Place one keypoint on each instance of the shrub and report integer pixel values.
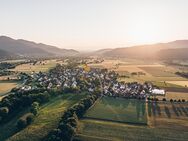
(164, 99)
(25, 120)
(4, 111)
(34, 108)
(29, 118)
(22, 123)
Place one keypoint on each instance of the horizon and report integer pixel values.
(89, 26)
(90, 50)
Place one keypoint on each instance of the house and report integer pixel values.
(158, 92)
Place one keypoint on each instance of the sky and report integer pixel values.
(94, 24)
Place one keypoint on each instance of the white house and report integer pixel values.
(158, 92)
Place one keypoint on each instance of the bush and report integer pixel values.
(30, 118)
(25, 120)
(22, 123)
(4, 111)
(34, 108)
(164, 99)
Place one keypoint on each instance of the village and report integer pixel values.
(79, 79)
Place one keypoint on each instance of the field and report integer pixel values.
(165, 121)
(154, 71)
(175, 96)
(181, 83)
(159, 71)
(40, 66)
(119, 110)
(6, 86)
(48, 118)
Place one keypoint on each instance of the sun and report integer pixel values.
(146, 29)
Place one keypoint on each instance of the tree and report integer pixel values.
(22, 123)
(29, 118)
(35, 108)
(68, 132)
(164, 99)
(4, 111)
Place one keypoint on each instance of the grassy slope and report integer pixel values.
(48, 118)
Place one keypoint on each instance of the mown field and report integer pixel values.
(48, 118)
(165, 122)
(154, 71)
(118, 110)
(39, 66)
(180, 83)
(174, 96)
(6, 86)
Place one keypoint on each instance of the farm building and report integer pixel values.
(158, 92)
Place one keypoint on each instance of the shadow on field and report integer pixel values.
(167, 111)
(175, 110)
(184, 111)
(154, 108)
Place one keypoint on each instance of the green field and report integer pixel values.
(119, 110)
(165, 121)
(48, 118)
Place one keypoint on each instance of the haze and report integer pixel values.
(96, 24)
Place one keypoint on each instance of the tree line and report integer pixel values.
(68, 124)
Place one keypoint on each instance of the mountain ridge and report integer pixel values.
(29, 48)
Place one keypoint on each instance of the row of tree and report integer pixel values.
(182, 74)
(69, 122)
(28, 118)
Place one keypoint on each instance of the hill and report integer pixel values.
(4, 54)
(28, 48)
(153, 51)
(178, 54)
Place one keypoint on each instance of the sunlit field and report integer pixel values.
(175, 96)
(154, 71)
(40, 66)
(181, 83)
(165, 121)
(6, 86)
